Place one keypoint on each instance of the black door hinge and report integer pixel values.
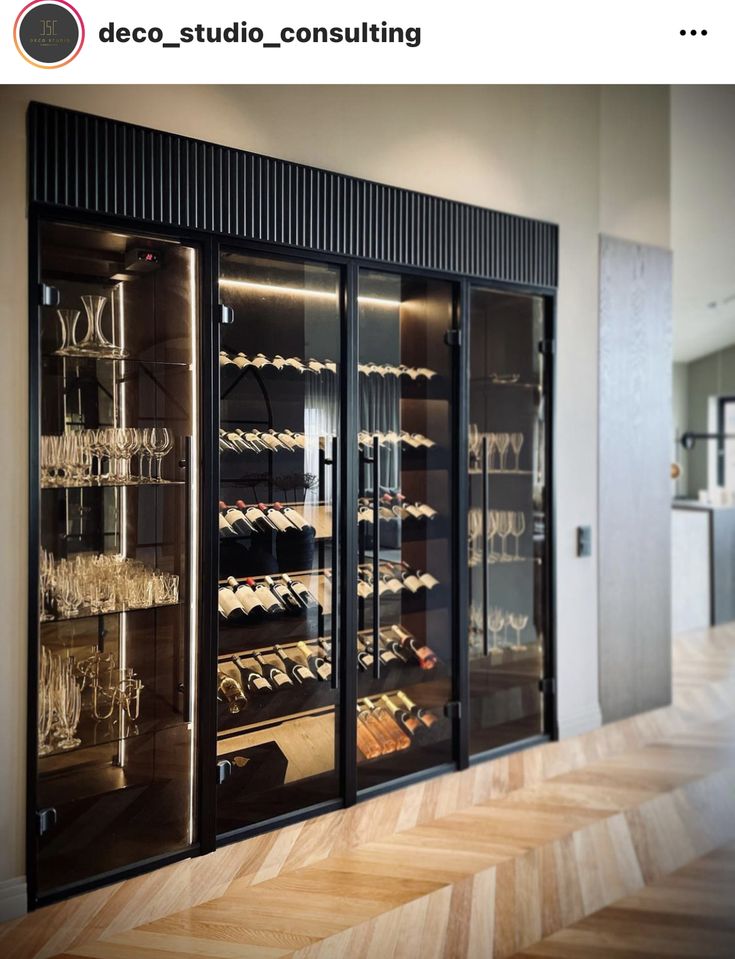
(547, 686)
(224, 770)
(226, 315)
(48, 295)
(45, 820)
(453, 337)
(453, 710)
(547, 347)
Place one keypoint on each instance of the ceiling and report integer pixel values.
(703, 219)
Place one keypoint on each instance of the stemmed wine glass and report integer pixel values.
(496, 620)
(474, 443)
(160, 443)
(504, 531)
(46, 681)
(518, 621)
(492, 443)
(502, 440)
(516, 442)
(493, 520)
(518, 526)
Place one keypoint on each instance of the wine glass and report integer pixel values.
(161, 443)
(518, 621)
(516, 442)
(518, 526)
(473, 439)
(502, 441)
(496, 620)
(492, 442)
(45, 717)
(68, 704)
(493, 520)
(504, 529)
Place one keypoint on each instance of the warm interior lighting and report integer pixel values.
(312, 294)
(193, 477)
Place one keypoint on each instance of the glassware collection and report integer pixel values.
(116, 546)
(94, 342)
(505, 522)
(113, 694)
(104, 457)
(95, 583)
(260, 360)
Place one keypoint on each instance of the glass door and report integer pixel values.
(507, 526)
(117, 553)
(405, 576)
(279, 422)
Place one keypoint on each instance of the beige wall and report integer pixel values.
(534, 151)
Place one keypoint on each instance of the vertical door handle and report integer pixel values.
(485, 463)
(376, 557)
(336, 628)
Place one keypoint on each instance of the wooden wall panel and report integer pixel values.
(634, 520)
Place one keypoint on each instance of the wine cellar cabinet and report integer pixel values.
(291, 528)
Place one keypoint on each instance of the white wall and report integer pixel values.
(527, 150)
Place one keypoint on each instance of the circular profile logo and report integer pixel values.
(48, 33)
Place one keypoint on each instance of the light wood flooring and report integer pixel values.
(471, 865)
(689, 913)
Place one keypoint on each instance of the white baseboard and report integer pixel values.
(13, 898)
(581, 722)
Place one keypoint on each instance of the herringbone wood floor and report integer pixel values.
(475, 864)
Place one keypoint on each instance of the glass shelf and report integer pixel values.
(107, 612)
(144, 485)
(119, 359)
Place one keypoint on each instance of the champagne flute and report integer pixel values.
(503, 441)
(518, 526)
(161, 443)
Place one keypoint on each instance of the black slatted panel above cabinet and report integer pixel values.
(102, 166)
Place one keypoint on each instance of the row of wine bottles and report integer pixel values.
(257, 441)
(262, 677)
(272, 596)
(260, 360)
(396, 647)
(415, 440)
(393, 506)
(393, 578)
(385, 726)
(240, 519)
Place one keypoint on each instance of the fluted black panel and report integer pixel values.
(102, 166)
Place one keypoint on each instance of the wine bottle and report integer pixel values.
(230, 691)
(365, 656)
(297, 672)
(270, 603)
(229, 605)
(368, 745)
(284, 596)
(226, 530)
(269, 440)
(316, 663)
(300, 592)
(274, 674)
(256, 517)
(427, 579)
(395, 647)
(386, 742)
(224, 359)
(246, 596)
(277, 518)
(364, 585)
(260, 361)
(411, 581)
(423, 715)
(236, 518)
(251, 441)
(393, 582)
(289, 440)
(389, 724)
(425, 510)
(425, 657)
(241, 361)
(252, 681)
(292, 515)
(236, 442)
(386, 654)
(404, 719)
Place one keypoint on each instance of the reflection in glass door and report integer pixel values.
(405, 576)
(507, 518)
(279, 422)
